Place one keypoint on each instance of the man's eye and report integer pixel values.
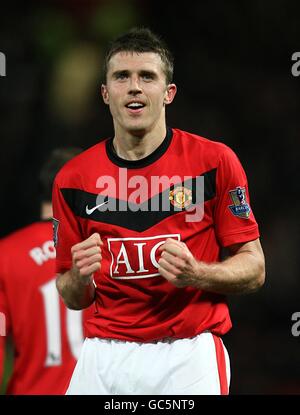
(147, 77)
(121, 76)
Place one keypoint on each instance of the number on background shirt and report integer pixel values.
(53, 326)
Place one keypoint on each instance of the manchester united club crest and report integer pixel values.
(240, 205)
(180, 197)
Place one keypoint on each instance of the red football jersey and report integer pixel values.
(47, 336)
(135, 206)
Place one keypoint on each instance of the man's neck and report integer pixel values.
(136, 147)
(46, 211)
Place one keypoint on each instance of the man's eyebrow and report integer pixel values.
(120, 72)
(126, 72)
(148, 72)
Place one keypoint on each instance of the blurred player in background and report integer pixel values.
(155, 273)
(46, 336)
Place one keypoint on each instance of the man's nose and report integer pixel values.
(134, 85)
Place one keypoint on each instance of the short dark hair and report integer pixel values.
(141, 40)
(57, 158)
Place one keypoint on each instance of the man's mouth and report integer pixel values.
(135, 106)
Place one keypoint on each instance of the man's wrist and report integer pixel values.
(202, 275)
(83, 280)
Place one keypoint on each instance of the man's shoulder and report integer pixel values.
(83, 161)
(208, 144)
(26, 236)
(30, 229)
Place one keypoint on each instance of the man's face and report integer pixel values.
(136, 91)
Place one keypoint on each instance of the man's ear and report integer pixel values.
(170, 93)
(104, 93)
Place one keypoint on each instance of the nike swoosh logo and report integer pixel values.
(90, 211)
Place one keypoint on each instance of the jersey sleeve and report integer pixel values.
(66, 229)
(234, 219)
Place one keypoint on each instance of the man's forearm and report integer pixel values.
(75, 293)
(76, 286)
(243, 272)
(239, 274)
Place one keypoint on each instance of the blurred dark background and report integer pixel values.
(235, 85)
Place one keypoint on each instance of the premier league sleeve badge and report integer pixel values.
(240, 205)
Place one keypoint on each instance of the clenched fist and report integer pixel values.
(86, 258)
(177, 264)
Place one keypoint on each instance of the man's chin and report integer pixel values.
(137, 131)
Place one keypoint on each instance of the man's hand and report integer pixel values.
(76, 285)
(242, 272)
(177, 264)
(86, 258)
